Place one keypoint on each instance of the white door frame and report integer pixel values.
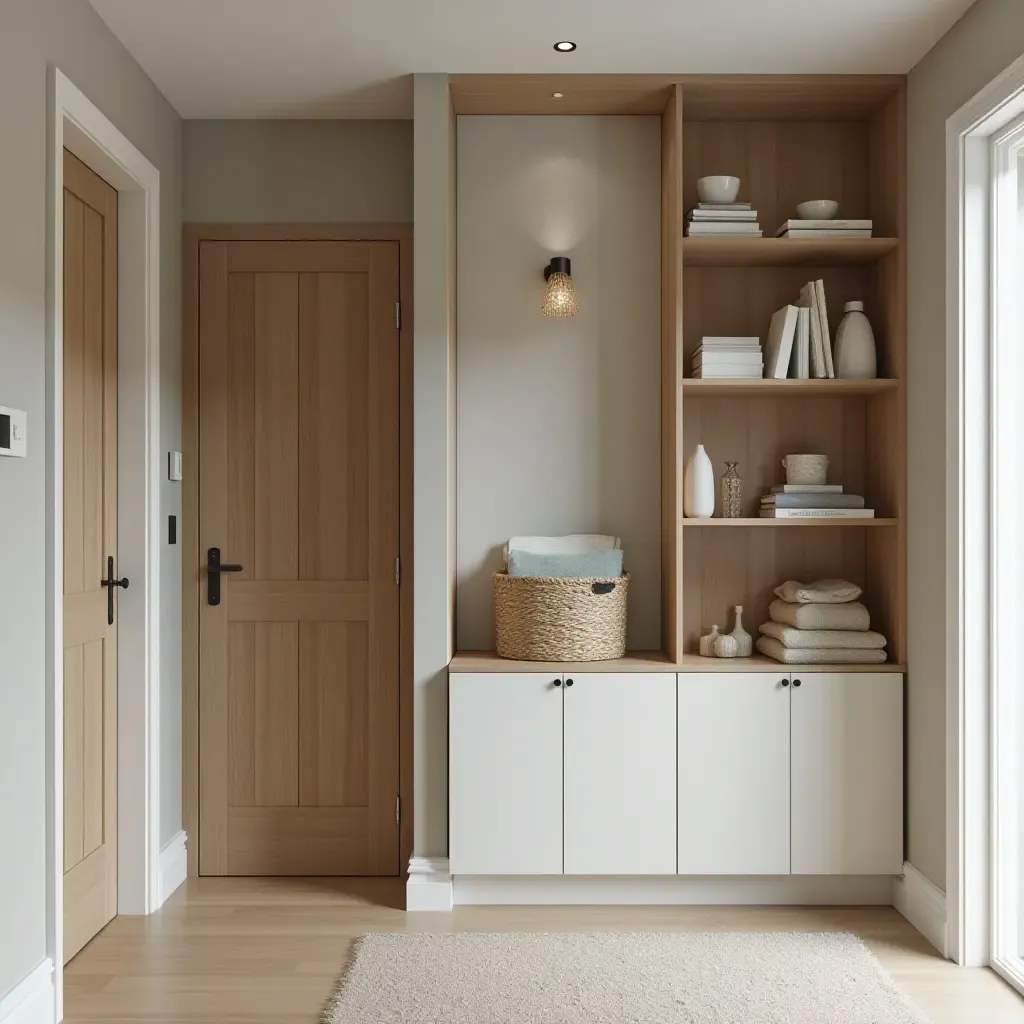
(79, 126)
(972, 313)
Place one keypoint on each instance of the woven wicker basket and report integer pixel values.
(560, 619)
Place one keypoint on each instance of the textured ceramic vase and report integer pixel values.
(727, 647)
(732, 492)
(744, 641)
(854, 354)
(707, 643)
(699, 486)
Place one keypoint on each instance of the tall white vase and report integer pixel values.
(854, 354)
(699, 486)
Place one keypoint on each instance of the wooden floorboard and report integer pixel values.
(241, 950)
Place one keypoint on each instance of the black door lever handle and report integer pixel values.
(215, 567)
(110, 582)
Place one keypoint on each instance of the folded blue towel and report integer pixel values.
(605, 565)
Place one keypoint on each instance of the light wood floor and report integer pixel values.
(237, 951)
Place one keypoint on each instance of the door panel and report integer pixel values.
(299, 484)
(505, 774)
(734, 774)
(620, 774)
(90, 536)
(847, 783)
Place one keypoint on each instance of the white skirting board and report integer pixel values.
(923, 904)
(430, 884)
(173, 867)
(31, 1000)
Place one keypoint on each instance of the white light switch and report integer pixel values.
(13, 432)
(174, 465)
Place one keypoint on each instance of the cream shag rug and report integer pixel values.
(688, 978)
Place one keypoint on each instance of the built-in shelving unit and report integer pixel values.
(751, 387)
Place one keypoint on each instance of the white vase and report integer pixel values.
(707, 643)
(699, 486)
(744, 641)
(854, 354)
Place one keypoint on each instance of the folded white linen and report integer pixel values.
(818, 592)
(852, 615)
(827, 656)
(573, 544)
(815, 639)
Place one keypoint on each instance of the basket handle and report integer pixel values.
(602, 588)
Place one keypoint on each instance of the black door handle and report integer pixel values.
(214, 568)
(110, 582)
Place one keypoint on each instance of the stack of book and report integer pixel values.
(799, 342)
(728, 357)
(825, 229)
(813, 501)
(723, 219)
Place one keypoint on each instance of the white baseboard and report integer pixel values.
(792, 890)
(31, 1000)
(173, 867)
(923, 904)
(430, 884)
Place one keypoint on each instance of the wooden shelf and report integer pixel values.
(488, 661)
(756, 386)
(759, 663)
(704, 524)
(782, 252)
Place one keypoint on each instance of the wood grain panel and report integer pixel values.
(93, 745)
(276, 719)
(299, 602)
(241, 754)
(74, 385)
(334, 723)
(240, 397)
(737, 251)
(581, 94)
(74, 757)
(308, 257)
(94, 554)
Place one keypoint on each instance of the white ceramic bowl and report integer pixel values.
(805, 469)
(817, 209)
(718, 188)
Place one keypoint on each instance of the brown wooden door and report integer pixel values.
(90, 537)
(298, 479)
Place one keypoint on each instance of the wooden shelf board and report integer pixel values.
(701, 388)
(782, 252)
(704, 524)
(759, 663)
(488, 661)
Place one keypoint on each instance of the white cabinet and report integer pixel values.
(734, 763)
(847, 773)
(620, 775)
(505, 774)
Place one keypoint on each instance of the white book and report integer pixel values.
(736, 216)
(852, 233)
(826, 336)
(817, 513)
(724, 228)
(802, 348)
(714, 340)
(824, 225)
(701, 373)
(778, 349)
(808, 299)
(742, 362)
(807, 489)
(724, 206)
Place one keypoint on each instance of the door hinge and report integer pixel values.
(398, 572)
(398, 316)
(398, 810)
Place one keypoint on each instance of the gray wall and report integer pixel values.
(558, 420)
(297, 171)
(988, 38)
(33, 34)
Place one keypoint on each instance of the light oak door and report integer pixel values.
(734, 774)
(299, 487)
(90, 539)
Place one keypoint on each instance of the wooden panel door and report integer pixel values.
(90, 538)
(620, 774)
(847, 781)
(505, 774)
(734, 774)
(299, 485)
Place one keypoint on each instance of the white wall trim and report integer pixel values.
(78, 125)
(31, 1000)
(429, 886)
(173, 867)
(923, 904)
(968, 511)
(568, 890)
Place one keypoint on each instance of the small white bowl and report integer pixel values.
(817, 209)
(718, 188)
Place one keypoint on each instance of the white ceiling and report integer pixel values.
(351, 58)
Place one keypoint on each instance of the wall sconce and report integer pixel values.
(560, 297)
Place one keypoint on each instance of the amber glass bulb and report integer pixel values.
(560, 297)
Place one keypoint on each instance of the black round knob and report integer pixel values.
(785, 682)
(796, 682)
(558, 682)
(568, 682)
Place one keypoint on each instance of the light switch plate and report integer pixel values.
(174, 465)
(13, 432)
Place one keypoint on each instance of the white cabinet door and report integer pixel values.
(847, 779)
(734, 774)
(505, 774)
(620, 780)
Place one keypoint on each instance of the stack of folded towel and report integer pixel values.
(578, 556)
(820, 623)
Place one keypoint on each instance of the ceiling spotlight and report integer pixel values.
(565, 46)
(557, 95)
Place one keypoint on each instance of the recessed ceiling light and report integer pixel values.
(557, 95)
(565, 46)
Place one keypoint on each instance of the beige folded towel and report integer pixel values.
(808, 639)
(819, 592)
(852, 615)
(804, 656)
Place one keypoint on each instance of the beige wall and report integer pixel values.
(297, 171)
(558, 420)
(989, 37)
(70, 35)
